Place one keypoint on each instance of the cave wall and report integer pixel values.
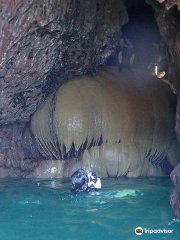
(175, 194)
(45, 42)
(168, 20)
(17, 150)
(42, 44)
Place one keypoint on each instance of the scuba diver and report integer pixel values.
(83, 181)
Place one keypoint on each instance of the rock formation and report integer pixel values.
(46, 42)
(175, 195)
(168, 19)
(42, 44)
(117, 123)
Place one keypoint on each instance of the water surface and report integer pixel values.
(46, 210)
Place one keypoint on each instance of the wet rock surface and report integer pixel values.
(42, 43)
(175, 195)
(168, 23)
(17, 149)
(168, 19)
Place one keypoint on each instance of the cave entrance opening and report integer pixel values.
(144, 40)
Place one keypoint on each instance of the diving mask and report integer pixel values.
(94, 181)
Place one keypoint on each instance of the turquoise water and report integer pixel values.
(46, 210)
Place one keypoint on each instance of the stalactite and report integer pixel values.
(132, 113)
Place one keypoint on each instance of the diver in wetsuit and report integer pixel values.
(83, 181)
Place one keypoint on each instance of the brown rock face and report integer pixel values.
(17, 148)
(42, 43)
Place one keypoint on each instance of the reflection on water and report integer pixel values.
(35, 209)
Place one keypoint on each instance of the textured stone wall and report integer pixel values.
(44, 42)
(168, 22)
(17, 148)
(168, 18)
(175, 195)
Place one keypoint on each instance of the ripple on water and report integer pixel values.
(46, 209)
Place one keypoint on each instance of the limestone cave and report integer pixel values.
(91, 85)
